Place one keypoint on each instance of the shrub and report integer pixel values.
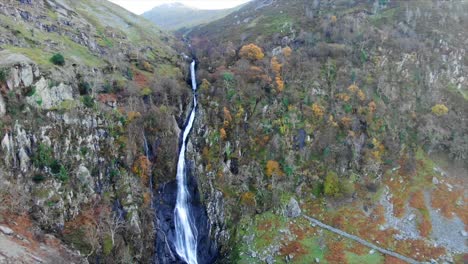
(3, 75)
(43, 156)
(84, 88)
(251, 52)
(38, 178)
(55, 167)
(318, 110)
(439, 110)
(63, 174)
(332, 184)
(88, 101)
(273, 168)
(58, 59)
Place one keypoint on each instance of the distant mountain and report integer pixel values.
(175, 16)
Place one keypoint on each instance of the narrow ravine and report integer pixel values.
(185, 227)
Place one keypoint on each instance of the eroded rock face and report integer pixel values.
(47, 98)
(22, 70)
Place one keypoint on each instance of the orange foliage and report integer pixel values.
(293, 248)
(279, 84)
(132, 115)
(336, 254)
(287, 51)
(392, 260)
(276, 66)
(146, 199)
(372, 107)
(343, 96)
(419, 249)
(417, 200)
(398, 206)
(379, 213)
(227, 117)
(318, 110)
(447, 202)
(251, 52)
(141, 167)
(140, 79)
(346, 121)
(273, 168)
(223, 134)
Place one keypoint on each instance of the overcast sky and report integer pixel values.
(140, 6)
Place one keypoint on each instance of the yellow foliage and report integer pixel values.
(353, 88)
(361, 95)
(273, 168)
(346, 121)
(372, 107)
(343, 96)
(279, 84)
(318, 110)
(248, 199)
(251, 52)
(240, 112)
(439, 110)
(147, 66)
(223, 133)
(334, 19)
(205, 85)
(332, 122)
(227, 117)
(132, 115)
(379, 148)
(287, 51)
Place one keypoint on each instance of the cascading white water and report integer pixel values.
(185, 228)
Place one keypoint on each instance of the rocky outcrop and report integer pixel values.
(22, 71)
(46, 97)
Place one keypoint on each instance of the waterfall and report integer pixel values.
(186, 233)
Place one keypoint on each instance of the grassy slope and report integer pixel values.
(177, 17)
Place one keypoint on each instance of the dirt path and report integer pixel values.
(359, 240)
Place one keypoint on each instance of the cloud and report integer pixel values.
(140, 6)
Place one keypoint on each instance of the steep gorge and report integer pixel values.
(351, 112)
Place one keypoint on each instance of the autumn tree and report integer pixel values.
(251, 52)
(273, 168)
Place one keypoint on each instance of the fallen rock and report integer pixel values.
(464, 233)
(435, 181)
(292, 209)
(6, 230)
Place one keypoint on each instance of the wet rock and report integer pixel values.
(2, 106)
(464, 233)
(292, 209)
(6, 230)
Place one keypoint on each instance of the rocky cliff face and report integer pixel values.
(72, 159)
